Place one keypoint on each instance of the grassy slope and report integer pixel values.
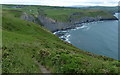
(23, 41)
(109, 9)
(64, 13)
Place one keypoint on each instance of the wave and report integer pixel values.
(65, 37)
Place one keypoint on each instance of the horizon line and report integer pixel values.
(58, 5)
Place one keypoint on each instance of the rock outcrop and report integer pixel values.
(51, 24)
(75, 20)
(28, 17)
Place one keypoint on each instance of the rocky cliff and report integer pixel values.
(54, 25)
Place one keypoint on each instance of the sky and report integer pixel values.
(63, 2)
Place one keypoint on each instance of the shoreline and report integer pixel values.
(63, 33)
(80, 24)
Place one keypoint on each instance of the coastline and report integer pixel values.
(74, 25)
(54, 25)
(64, 35)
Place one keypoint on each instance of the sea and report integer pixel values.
(99, 37)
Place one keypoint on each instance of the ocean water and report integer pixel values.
(96, 37)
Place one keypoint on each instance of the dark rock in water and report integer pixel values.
(63, 38)
(59, 34)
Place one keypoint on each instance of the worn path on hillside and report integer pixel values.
(42, 68)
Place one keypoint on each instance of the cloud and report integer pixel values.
(63, 2)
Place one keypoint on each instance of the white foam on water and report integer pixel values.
(67, 41)
(59, 32)
(61, 37)
(83, 27)
(73, 29)
(54, 32)
(67, 36)
(64, 31)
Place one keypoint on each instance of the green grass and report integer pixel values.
(63, 14)
(23, 41)
(109, 9)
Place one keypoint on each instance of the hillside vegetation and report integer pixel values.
(24, 42)
(113, 10)
(61, 14)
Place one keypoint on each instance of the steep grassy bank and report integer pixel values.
(24, 41)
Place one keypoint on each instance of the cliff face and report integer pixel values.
(28, 17)
(54, 25)
(85, 19)
(51, 24)
(48, 23)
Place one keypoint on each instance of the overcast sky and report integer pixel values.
(63, 2)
